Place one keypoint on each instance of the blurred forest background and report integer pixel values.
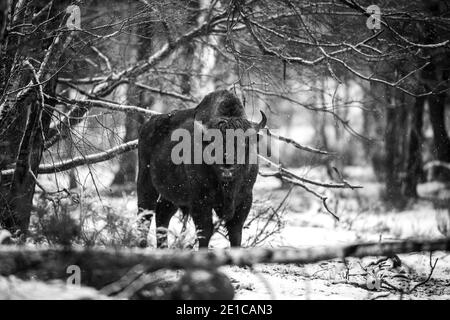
(367, 90)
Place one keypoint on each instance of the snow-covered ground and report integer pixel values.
(363, 217)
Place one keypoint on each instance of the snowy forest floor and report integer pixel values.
(301, 221)
(363, 217)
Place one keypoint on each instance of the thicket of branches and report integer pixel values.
(61, 88)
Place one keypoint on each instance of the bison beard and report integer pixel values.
(163, 187)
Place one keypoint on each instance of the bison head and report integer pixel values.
(230, 145)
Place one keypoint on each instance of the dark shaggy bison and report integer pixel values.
(196, 188)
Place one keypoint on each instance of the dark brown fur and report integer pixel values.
(196, 189)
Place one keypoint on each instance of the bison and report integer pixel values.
(197, 188)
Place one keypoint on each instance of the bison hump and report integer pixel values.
(153, 130)
(161, 125)
(220, 103)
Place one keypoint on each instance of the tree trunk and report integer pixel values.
(374, 127)
(395, 135)
(23, 182)
(437, 118)
(414, 164)
(25, 119)
(435, 77)
(137, 96)
(188, 50)
(128, 163)
(133, 121)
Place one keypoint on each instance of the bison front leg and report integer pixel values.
(164, 212)
(202, 217)
(235, 225)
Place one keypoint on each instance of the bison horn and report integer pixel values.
(262, 123)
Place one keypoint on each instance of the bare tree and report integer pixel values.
(27, 78)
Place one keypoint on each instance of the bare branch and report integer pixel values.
(141, 67)
(296, 144)
(90, 103)
(165, 92)
(316, 183)
(432, 267)
(82, 160)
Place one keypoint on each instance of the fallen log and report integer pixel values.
(100, 267)
(12, 288)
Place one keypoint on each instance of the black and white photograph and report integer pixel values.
(241, 151)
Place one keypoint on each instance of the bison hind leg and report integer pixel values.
(147, 197)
